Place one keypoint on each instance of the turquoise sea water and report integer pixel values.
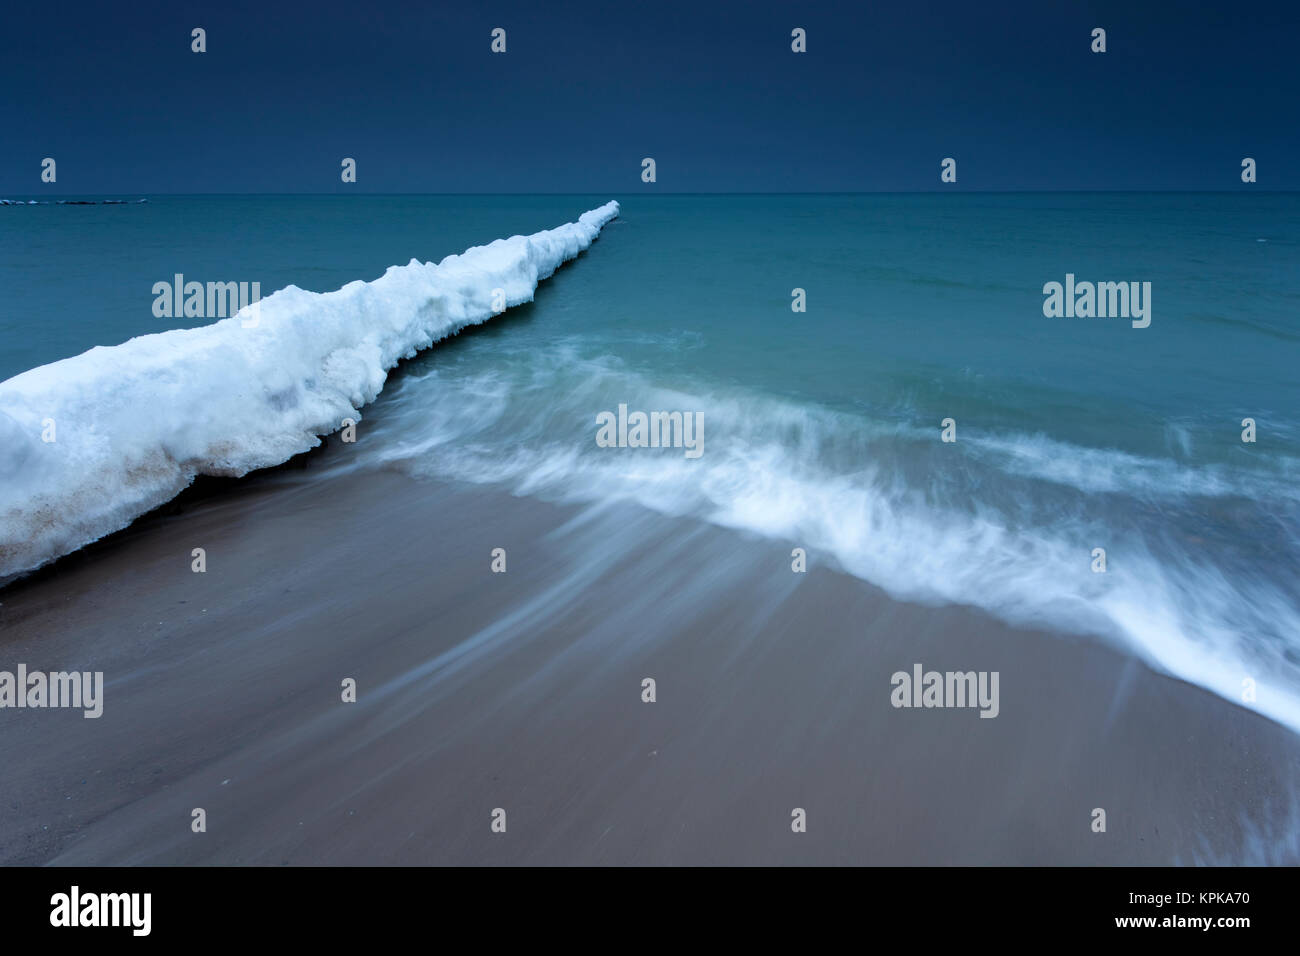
(823, 427)
(909, 295)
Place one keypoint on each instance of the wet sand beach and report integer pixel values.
(522, 691)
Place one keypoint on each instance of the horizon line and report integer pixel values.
(829, 192)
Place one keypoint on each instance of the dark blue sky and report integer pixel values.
(710, 89)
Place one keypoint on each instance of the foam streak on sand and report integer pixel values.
(134, 424)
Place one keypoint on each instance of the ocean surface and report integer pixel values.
(820, 428)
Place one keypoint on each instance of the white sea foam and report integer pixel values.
(1006, 523)
(134, 424)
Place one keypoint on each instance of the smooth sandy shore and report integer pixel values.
(523, 691)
